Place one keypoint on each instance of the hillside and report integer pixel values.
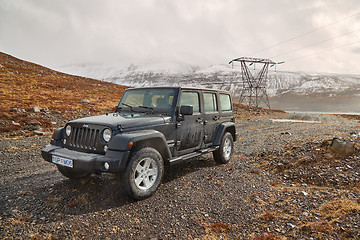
(25, 85)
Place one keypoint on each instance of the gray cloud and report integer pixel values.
(56, 32)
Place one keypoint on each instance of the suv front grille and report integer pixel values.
(85, 139)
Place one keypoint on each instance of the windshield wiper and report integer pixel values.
(127, 105)
(150, 108)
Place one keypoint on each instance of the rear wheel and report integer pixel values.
(71, 173)
(225, 151)
(144, 173)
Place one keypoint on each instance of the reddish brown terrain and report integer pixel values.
(24, 85)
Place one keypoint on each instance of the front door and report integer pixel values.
(190, 131)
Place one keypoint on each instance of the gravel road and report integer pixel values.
(244, 199)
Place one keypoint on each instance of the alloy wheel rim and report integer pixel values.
(146, 173)
(227, 148)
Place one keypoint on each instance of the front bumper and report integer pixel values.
(89, 162)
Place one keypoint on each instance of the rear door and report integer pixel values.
(211, 116)
(225, 104)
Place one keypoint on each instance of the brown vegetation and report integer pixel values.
(240, 108)
(24, 85)
(268, 236)
(349, 116)
(339, 208)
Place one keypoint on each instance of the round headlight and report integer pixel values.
(107, 134)
(68, 130)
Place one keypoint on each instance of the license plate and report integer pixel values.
(62, 161)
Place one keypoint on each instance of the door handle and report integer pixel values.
(199, 120)
(216, 118)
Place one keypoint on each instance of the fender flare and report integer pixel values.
(224, 127)
(142, 138)
(57, 137)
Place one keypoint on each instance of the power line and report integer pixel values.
(316, 43)
(327, 50)
(306, 33)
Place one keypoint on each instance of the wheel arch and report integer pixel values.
(157, 143)
(224, 127)
(141, 139)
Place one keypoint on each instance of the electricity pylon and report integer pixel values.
(254, 87)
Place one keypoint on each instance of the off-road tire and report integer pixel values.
(144, 173)
(226, 148)
(71, 173)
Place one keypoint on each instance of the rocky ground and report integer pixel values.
(282, 183)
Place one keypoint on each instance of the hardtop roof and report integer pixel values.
(183, 88)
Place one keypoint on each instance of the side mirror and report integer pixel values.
(186, 110)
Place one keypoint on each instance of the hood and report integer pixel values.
(125, 120)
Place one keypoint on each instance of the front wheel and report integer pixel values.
(225, 151)
(144, 173)
(71, 173)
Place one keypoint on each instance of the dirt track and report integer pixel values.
(246, 198)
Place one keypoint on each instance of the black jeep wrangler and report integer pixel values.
(151, 127)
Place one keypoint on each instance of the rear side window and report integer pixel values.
(210, 103)
(225, 102)
(190, 98)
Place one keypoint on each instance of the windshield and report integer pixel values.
(148, 99)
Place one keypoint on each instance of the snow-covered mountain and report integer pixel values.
(291, 91)
(216, 76)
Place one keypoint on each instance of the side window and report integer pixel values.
(225, 102)
(210, 103)
(190, 98)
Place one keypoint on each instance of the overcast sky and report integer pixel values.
(55, 33)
